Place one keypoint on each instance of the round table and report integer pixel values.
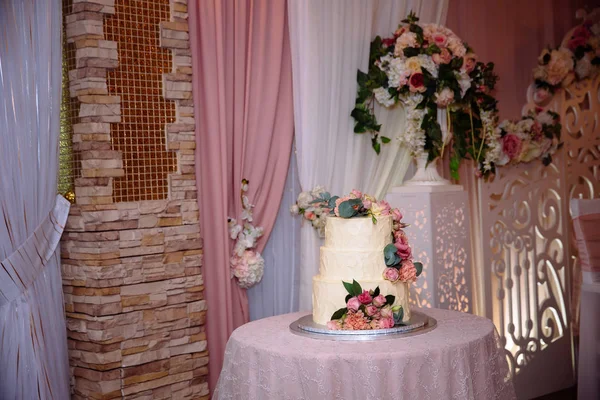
(459, 359)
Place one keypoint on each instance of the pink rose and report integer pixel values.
(386, 312)
(440, 39)
(400, 237)
(541, 95)
(334, 325)
(469, 63)
(416, 83)
(353, 304)
(575, 42)
(365, 297)
(399, 31)
(408, 272)
(560, 64)
(371, 310)
(391, 274)
(356, 321)
(367, 203)
(355, 194)
(404, 250)
(309, 215)
(379, 300)
(386, 209)
(396, 215)
(511, 145)
(442, 58)
(386, 323)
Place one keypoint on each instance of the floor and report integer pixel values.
(566, 394)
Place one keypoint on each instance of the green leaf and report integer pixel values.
(377, 147)
(411, 52)
(361, 77)
(389, 299)
(331, 202)
(374, 219)
(385, 139)
(349, 208)
(356, 287)
(399, 316)
(419, 268)
(390, 256)
(339, 313)
(349, 289)
(376, 292)
(359, 128)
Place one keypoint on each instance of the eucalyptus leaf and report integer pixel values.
(419, 268)
(339, 313)
(331, 203)
(346, 210)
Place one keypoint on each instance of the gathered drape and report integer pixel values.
(243, 104)
(330, 41)
(33, 343)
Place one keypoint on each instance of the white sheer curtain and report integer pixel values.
(33, 345)
(330, 41)
(277, 293)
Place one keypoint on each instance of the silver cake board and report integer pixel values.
(418, 324)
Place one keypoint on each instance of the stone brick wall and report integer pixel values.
(132, 270)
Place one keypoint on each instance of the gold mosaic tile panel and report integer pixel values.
(144, 112)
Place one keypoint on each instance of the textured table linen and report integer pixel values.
(459, 359)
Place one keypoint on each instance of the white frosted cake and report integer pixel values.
(353, 250)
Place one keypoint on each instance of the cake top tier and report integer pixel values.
(358, 233)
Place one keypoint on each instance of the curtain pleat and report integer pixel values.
(33, 345)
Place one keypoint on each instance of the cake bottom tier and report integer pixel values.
(329, 296)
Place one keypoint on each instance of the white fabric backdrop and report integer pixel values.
(330, 41)
(33, 342)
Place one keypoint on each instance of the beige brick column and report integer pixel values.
(131, 270)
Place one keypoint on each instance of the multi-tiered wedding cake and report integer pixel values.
(366, 263)
(354, 251)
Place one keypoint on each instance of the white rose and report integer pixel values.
(383, 97)
(583, 68)
(295, 209)
(413, 64)
(317, 190)
(544, 118)
(525, 125)
(428, 63)
(304, 199)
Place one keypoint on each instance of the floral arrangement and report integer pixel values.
(426, 67)
(247, 265)
(317, 204)
(313, 208)
(536, 135)
(366, 309)
(576, 59)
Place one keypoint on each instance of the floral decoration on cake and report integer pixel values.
(313, 208)
(317, 204)
(247, 265)
(366, 309)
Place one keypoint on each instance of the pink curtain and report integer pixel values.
(244, 129)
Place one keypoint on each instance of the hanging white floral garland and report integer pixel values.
(247, 265)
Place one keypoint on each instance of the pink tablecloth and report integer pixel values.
(460, 359)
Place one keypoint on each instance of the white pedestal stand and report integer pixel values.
(439, 236)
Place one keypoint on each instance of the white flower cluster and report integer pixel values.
(493, 141)
(313, 212)
(247, 265)
(414, 136)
